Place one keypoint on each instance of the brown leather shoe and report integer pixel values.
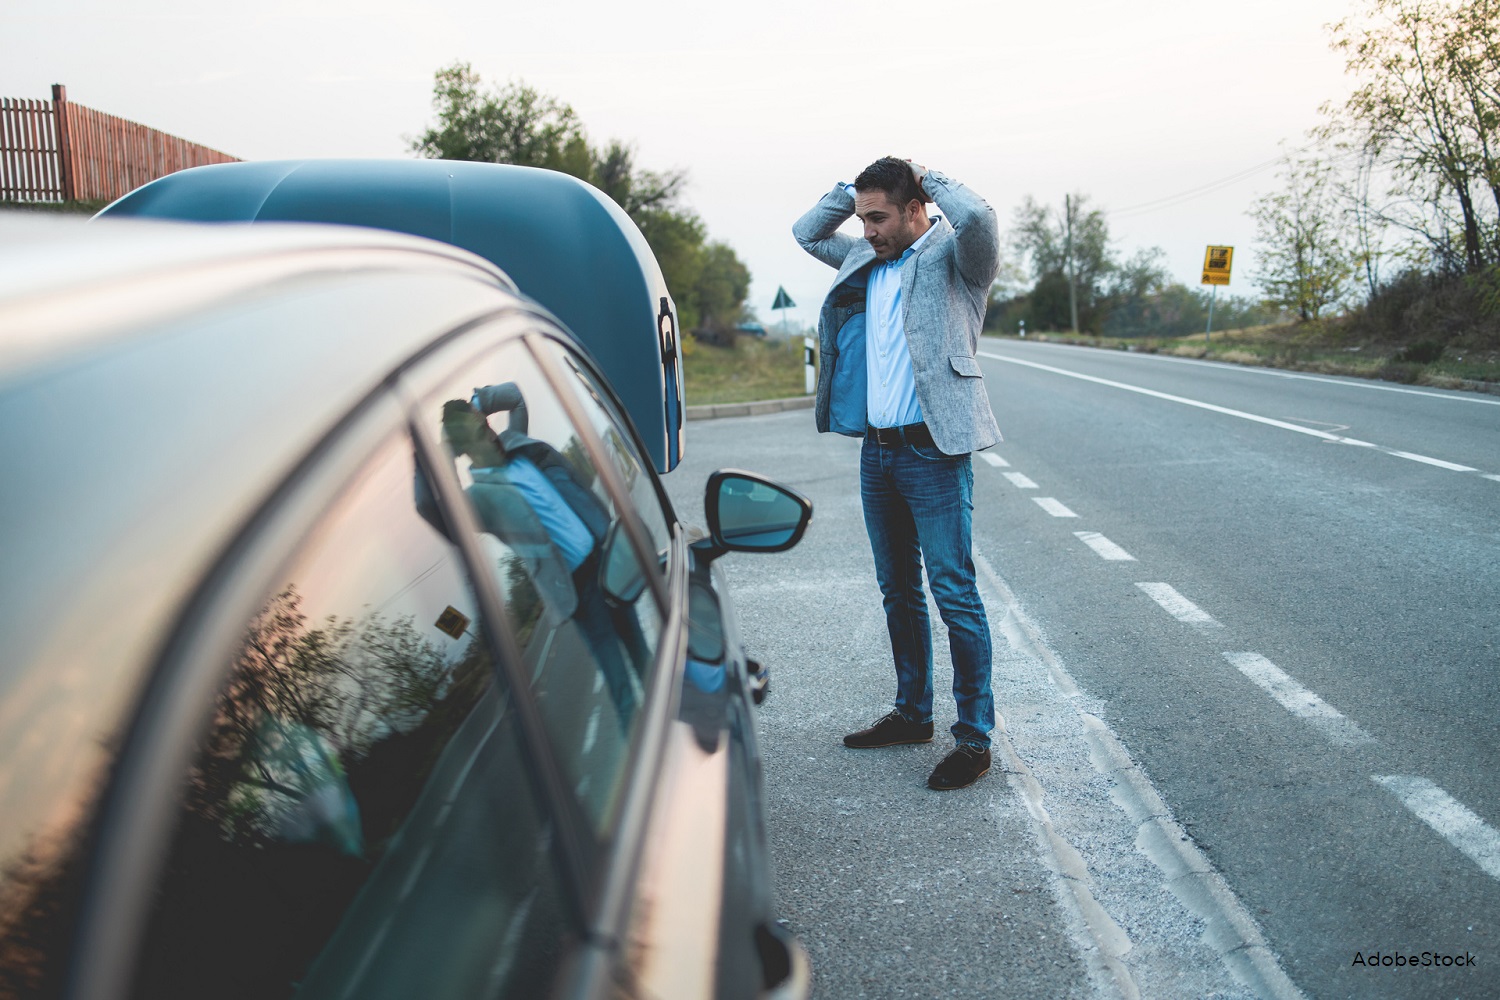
(961, 768)
(890, 731)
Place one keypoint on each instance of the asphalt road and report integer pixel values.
(1274, 594)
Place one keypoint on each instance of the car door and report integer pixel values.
(380, 758)
(553, 501)
(398, 747)
(360, 813)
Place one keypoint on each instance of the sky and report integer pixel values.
(1168, 114)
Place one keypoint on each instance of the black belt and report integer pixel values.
(892, 437)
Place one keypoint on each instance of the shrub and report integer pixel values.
(1423, 352)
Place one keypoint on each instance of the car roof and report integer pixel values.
(66, 283)
(566, 244)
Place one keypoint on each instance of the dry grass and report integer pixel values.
(54, 207)
(753, 369)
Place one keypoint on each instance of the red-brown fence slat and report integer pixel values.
(8, 182)
(39, 149)
(29, 151)
(37, 144)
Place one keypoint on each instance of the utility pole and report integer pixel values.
(1068, 257)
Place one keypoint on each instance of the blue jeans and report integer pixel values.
(919, 506)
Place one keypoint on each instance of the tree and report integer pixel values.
(1365, 220)
(1069, 257)
(518, 124)
(1428, 104)
(1472, 60)
(613, 172)
(723, 283)
(1135, 288)
(1305, 265)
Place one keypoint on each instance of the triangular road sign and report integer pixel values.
(783, 300)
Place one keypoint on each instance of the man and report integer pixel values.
(529, 496)
(897, 335)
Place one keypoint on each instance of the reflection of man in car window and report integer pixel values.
(530, 496)
(506, 512)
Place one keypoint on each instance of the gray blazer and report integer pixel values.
(944, 290)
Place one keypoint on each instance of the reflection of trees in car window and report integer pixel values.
(38, 886)
(619, 451)
(522, 602)
(578, 458)
(311, 713)
(357, 819)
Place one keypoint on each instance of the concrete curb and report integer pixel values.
(1189, 875)
(715, 410)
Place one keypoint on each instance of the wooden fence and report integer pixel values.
(60, 151)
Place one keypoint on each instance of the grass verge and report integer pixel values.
(1313, 348)
(54, 207)
(751, 370)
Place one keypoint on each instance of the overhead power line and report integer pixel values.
(1173, 200)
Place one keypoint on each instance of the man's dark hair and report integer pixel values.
(466, 429)
(892, 176)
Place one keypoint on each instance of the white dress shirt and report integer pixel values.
(891, 389)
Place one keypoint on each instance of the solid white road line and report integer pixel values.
(1451, 466)
(1177, 606)
(1053, 507)
(1270, 421)
(1495, 478)
(1348, 383)
(1456, 822)
(1299, 700)
(994, 459)
(1106, 548)
(1020, 480)
(1257, 418)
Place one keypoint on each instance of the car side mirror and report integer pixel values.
(749, 513)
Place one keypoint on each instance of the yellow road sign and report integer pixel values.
(452, 621)
(1216, 265)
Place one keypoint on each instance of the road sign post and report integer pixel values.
(1217, 263)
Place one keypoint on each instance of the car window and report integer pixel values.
(552, 536)
(611, 428)
(358, 819)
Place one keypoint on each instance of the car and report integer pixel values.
(352, 646)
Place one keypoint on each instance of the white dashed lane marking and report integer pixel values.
(1454, 821)
(1053, 507)
(1177, 606)
(1106, 548)
(1020, 480)
(994, 459)
(1299, 700)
